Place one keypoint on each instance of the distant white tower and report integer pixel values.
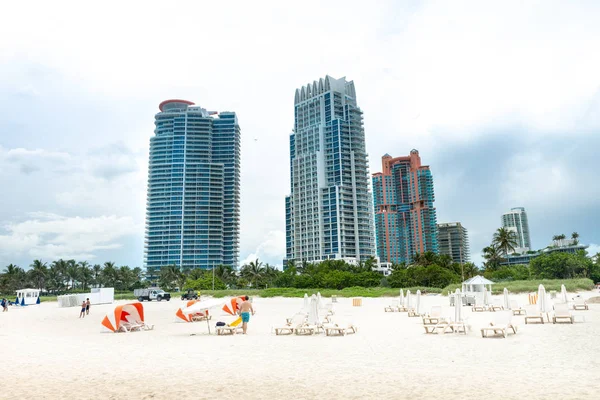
(516, 220)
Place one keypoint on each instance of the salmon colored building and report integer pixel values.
(405, 216)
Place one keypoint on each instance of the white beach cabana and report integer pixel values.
(28, 297)
(477, 284)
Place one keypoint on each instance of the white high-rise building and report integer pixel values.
(329, 213)
(516, 220)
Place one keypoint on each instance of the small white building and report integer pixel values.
(476, 284)
(28, 297)
(97, 296)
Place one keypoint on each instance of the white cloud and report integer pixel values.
(271, 249)
(49, 236)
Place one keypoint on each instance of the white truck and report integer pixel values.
(151, 294)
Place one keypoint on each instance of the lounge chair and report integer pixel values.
(339, 329)
(501, 325)
(495, 307)
(393, 307)
(561, 312)
(580, 304)
(200, 317)
(478, 307)
(328, 309)
(534, 316)
(516, 309)
(291, 324)
(434, 316)
(412, 312)
(226, 330)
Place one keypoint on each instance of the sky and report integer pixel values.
(501, 98)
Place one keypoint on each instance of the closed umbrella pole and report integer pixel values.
(563, 294)
(408, 302)
(543, 304)
(506, 302)
(401, 298)
(457, 306)
(418, 303)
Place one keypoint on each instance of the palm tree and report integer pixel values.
(253, 272)
(97, 271)
(561, 237)
(109, 274)
(575, 236)
(14, 277)
(555, 239)
(170, 276)
(60, 272)
(72, 272)
(86, 275)
(225, 274)
(37, 274)
(505, 240)
(125, 277)
(493, 256)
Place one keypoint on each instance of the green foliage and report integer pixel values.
(429, 276)
(205, 283)
(508, 273)
(561, 266)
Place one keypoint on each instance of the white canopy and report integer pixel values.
(477, 284)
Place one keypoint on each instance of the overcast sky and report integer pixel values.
(502, 100)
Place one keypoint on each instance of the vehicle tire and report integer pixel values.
(140, 299)
(182, 298)
(168, 299)
(159, 298)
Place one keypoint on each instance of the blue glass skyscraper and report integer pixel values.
(192, 209)
(328, 212)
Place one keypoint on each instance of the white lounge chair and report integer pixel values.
(434, 316)
(516, 308)
(580, 304)
(339, 329)
(502, 323)
(561, 312)
(495, 307)
(533, 315)
(291, 324)
(393, 307)
(478, 307)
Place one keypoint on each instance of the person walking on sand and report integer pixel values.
(245, 310)
(87, 307)
(82, 313)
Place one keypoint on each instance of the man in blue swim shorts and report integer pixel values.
(245, 310)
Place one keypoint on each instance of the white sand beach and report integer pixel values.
(48, 353)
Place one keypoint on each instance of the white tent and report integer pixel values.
(477, 284)
(28, 297)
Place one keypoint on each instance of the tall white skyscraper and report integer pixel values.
(516, 220)
(329, 211)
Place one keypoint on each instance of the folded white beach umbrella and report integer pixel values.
(306, 304)
(486, 297)
(457, 306)
(418, 303)
(313, 312)
(401, 297)
(408, 302)
(563, 294)
(319, 302)
(506, 301)
(542, 301)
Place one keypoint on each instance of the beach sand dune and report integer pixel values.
(48, 353)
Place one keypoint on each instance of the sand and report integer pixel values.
(48, 353)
